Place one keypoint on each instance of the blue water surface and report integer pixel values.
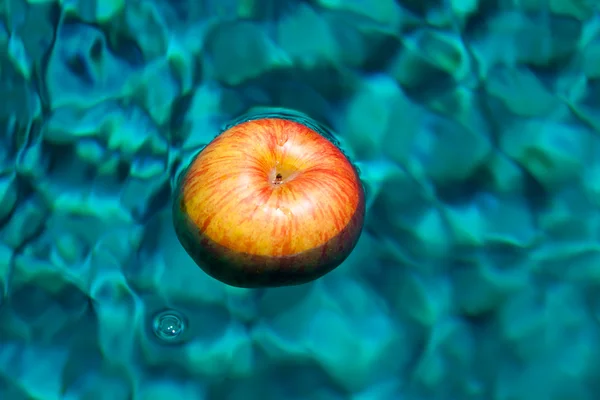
(475, 124)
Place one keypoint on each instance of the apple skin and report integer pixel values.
(269, 202)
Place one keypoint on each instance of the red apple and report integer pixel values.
(269, 202)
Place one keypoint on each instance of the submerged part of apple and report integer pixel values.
(271, 201)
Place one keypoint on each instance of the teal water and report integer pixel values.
(475, 124)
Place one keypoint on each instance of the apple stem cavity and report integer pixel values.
(279, 176)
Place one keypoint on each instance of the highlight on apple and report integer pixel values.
(271, 201)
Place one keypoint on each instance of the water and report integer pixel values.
(476, 276)
(169, 326)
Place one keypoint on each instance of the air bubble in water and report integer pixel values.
(169, 326)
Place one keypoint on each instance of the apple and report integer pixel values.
(271, 201)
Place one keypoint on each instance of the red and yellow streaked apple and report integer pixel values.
(269, 202)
